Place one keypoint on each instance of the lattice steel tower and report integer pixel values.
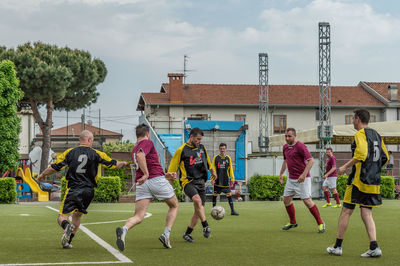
(325, 129)
(263, 139)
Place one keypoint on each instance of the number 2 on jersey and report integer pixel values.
(83, 159)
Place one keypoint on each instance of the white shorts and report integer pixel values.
(330, 182)
(293, 187)
(158, 187)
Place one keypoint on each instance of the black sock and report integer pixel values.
(338, 243)
(204, 224)
(64, 224)
(214, 201)
(373, 245)
(189, 231)
(70, 238)
(230, 203)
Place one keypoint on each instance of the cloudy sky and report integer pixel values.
(141, 41)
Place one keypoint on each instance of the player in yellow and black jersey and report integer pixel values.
(363, 186)
(193, 163)
(83, 163)
(222, 165)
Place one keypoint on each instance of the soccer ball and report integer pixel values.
(218, 212)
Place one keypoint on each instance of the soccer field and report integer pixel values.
(30, 235)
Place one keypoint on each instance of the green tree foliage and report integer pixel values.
(265, 187)
(121, 146)
(58, 78)
(10, 125)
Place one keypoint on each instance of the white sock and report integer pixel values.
(167, 231)
(125, 229)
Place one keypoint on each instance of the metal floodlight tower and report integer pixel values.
(263, 139)
(325, 129)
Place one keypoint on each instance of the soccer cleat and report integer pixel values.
(326, 205)
(372, 253)
(321, 228)
(288, 226)
(67, 246)
(234, 213)
(337, 206)
(207, 232)
(120, 238)
(165, 241)
(188, 238)
(335, 251)
(67, 234)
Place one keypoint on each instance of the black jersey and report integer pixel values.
(83, 163)
(223, 168)
(193, 163)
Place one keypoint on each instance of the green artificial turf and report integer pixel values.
(253, 238)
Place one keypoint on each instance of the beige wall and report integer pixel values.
(170, 119)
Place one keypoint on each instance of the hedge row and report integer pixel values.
(266, 187)
(108, 189)
(8, 190)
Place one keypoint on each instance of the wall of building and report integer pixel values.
(27, 132)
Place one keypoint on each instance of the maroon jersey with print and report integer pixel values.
(153, 165)
(329, 164)
(296, 157)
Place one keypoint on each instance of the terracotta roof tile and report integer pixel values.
(382, 88)
(76, 129)
(218, 94)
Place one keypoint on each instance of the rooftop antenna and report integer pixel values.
(185, 70)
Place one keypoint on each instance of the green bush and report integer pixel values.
(265, 187)
(177, 189)
(387, 186)
(121, 173)
(8, 190)
(108, 189)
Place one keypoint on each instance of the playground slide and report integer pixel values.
(27, 177)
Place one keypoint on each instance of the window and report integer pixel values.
(279, 124)
(348, 119)
(240, 117)
(372, 118)
(198, 117)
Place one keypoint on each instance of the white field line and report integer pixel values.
(63, 263)
(101, 242)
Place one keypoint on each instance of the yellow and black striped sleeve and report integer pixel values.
(176, 159)
(361, 151)
(230, 170)
(61, 161)
(105, 160)
(386, 160)
(214, 167)
(208, 159)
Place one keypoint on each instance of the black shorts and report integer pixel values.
(196, 187)
(389, 166)
(352, 206)
(77, 199)
(219, 190)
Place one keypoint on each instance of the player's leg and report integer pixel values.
(229, 197)
(67, 207)
(374, 250)
(170, 219)
(288, 195)
(304, 190)
(198, 202)
(68, 228)
(137, 218)
(76, 222)
(336, 196)
(326, 193)
(191, 191)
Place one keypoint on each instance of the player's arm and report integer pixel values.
(307, 169)
(230, 170)
(176, 160)
(214, 177)
(385, 155)
(283, 169)
(141, 160)
(209, 163)
(360, 153)
(330, 171)
(60, 163)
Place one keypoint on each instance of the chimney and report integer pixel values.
(393, 92)
(175, 87)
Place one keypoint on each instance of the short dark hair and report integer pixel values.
(196, 131)
(390, 152)
(141, 130)
(363, 114)
(291, 129)
(329, 148)
(222, 145)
